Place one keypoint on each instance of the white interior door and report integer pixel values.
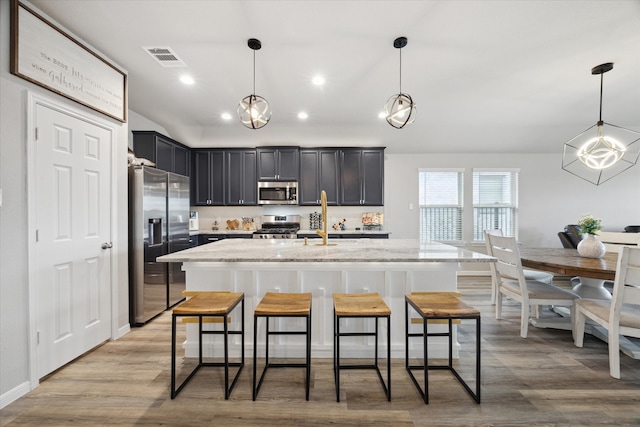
(73, 260)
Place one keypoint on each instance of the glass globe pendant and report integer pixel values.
(400, 109)
(253, 110)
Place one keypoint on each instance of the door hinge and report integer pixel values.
(36, 134)
(37, 235)
(38, 337)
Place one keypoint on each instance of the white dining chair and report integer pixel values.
(614, 240)
(511, 282)
(540, 276)
(620, 315)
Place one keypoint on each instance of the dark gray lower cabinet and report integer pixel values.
(205, 238)
(354, 235)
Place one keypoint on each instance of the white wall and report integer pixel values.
(549, 198)
(14, 303)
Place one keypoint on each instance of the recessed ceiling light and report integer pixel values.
(188, 80)
(303, 115)
(225, 116)
(318, 80)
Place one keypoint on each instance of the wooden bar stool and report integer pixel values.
(276, 305)
(202, 306)
(360, 306)
(439, 305)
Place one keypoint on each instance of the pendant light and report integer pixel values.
(253, 110)
(600, 152)
(400, 109)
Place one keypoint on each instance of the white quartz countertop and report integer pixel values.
(342, 250)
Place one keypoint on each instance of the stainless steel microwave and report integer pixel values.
(277, 193)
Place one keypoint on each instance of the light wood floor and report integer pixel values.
(539, 381)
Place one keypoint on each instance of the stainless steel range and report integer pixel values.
(278, 227)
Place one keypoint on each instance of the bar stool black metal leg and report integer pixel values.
(255, 350)
(308, 354)
(226, 358)
(337, 358)
(389, 358)
(173, 356)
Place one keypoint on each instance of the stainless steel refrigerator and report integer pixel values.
(158, 225)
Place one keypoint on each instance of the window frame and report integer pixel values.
(509, 209)
(422, 231)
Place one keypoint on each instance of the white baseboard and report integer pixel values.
(14, 394)
(122, 331)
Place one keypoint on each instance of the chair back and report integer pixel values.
(626, 287)
(614, 241)
(508, 265)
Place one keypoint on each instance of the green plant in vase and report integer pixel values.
(589, 246)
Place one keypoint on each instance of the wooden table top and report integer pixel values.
(568, 262)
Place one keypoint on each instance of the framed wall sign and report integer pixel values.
(46, 55)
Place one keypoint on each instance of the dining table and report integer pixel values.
(591, 273)
(590, 276)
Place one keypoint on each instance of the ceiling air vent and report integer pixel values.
(165, 56)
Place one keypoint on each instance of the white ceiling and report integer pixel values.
(487, 76)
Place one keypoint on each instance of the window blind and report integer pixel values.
(441, 204)
(495, 202)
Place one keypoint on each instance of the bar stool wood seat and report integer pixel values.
(370, 305)
(439, 305)
(274, 305)
(203, 306)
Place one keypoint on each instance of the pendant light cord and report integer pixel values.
(401, 72)
(601, 82)
(254, 79)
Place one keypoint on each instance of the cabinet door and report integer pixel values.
(267, 164)
(278, 164)
(249, 181)
(373, 177)
(308, 188)
(181, 161)
(234, 178)
(241, 185)
(164, 155)
(217, 177)
(328, 177)
(201, 179)
(351, 173)
(287, 162)
(207, 179)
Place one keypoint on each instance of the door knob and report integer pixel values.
(107, 245)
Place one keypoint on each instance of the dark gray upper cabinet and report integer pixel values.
(240, 174)
(207, 180)
(362, 177)
(278, 163)
(318, 171)
(168, 155)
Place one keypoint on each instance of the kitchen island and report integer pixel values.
(392, 268)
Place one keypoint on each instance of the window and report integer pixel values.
(441, 204)
(495, 201)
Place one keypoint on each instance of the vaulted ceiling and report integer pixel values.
(487, 76)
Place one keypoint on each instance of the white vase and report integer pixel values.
(590, 247)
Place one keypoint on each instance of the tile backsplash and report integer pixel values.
(352, 214)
